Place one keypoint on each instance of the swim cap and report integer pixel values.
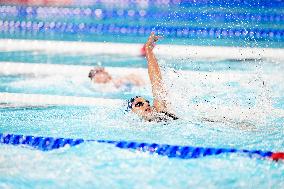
(129, 103)
(94, 71)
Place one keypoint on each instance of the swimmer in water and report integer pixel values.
(100, 76)
(140, 106)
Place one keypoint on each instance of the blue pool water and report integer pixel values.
(104, 166)
(228, 87)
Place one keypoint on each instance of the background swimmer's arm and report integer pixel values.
(155, 75)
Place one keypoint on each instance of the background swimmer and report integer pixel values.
(160, 109)
(100, 76)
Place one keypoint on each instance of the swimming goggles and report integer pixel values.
(137, 104)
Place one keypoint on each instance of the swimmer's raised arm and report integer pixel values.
(140, 106)
(155, 75)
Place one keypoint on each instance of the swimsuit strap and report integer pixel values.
(167, 117)
(173, 116)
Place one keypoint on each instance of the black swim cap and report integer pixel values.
(129, 102)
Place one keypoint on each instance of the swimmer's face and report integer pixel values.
(141, 107)
(99, 75)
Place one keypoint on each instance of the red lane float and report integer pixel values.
(276, 156)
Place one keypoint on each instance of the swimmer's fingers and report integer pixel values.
(157, 37)
(153, 38)
(150, 39)
(150, 44)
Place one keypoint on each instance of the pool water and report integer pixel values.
(221, 103)
(190, 83)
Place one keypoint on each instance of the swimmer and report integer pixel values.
(100, 76)
(140, 106)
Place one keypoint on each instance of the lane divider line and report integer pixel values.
(162, 50)
(171, 151)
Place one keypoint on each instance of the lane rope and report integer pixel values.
(130, 13)
(118, 29)
(171, 151)
(176, 3)
(163, 50)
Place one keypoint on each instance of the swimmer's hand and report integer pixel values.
(150, 44)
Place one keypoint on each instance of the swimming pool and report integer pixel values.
(240, 86)
(243, 94)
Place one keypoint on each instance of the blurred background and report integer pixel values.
(256, 23)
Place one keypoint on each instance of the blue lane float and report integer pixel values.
(226, 3)
(104, 13)
(171, 151)
(115, 29)
(188, 3)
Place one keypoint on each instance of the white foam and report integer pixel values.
(220, 113)
(178, 51)
(206, 110)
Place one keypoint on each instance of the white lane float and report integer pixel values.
(132, 49)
